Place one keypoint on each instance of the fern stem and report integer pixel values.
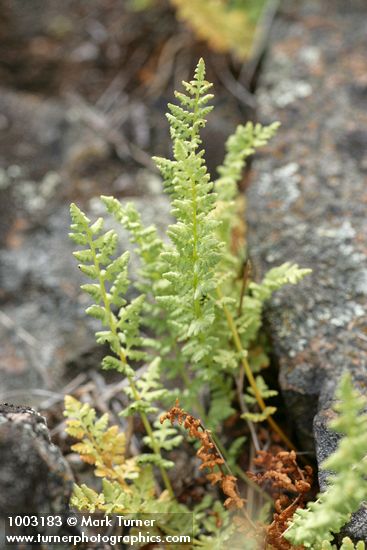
(248, 372)
(155, 446)
(197, 405)
(245, 274)
(239, 384)
(193, 132)
(123, 359)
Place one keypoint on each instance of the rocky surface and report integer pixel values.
(38, 284)
(48, 158)
(308, 202)
(326, 443)
(34, 476)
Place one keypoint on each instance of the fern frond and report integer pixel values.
(249, 322)
(86, 499)
(347, 484)
(191, 259)
(276, 278)
(166, 435)
(99, 445)
(250, 398)
(115, 498)
(239, 146)
(230, 206)
(263, 389)
(111, 283)
(148, 244)
(196, 302)
(347, 544)
(122, 328)
(150, 391)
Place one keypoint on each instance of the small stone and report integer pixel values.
(34, 476)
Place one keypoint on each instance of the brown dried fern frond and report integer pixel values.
(209, 455)
(289, 485)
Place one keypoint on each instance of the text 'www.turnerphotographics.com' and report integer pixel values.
(135, 530)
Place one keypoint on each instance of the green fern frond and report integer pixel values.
(239, 146)
(250, 399)
(148, 244)
(149, 281)
(263, 388)
(187, 118)
(347, 484)
(249, 322)
(115, 498)
(347, 544)
(86, 499)
(266, 413)
(276, 278)
(111, 283)
(166, 435)
(122, 328)
(229, 205)
(191, 259)
(195, 302)
(150, 391)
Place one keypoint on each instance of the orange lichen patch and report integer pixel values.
(15, 235)
(10, 361)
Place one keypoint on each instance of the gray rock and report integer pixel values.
(49, 159)
(326, 442)
(42, 321)
(307, 204)
(34, 476)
